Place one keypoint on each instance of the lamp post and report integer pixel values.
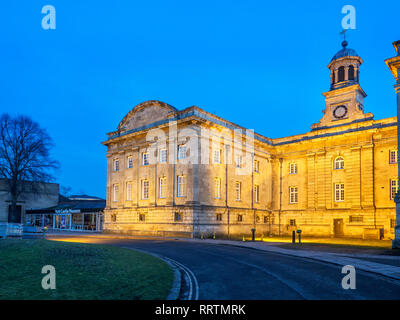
(394, 66)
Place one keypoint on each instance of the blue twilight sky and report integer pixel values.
(256, 63)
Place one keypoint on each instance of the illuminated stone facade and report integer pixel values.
(191, 173)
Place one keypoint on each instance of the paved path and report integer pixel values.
(227, 270)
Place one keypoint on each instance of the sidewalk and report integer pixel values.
(358, 260)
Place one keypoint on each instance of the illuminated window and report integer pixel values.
(394, 187)
(238, 189)
(162, 188)
(339, 163)
(293, 168)
(393, 156)
(181, 186)
(217, 188)
(293, 195)
(339, 192)
(145, 189)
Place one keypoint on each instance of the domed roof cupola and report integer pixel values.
(344, 67)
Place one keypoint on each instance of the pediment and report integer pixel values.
(146, 113)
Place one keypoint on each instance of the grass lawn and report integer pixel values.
(83, 271)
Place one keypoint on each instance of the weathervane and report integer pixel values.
(343, 32)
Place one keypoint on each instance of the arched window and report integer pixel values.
(339, 163)
(341, 74)
(351, 73)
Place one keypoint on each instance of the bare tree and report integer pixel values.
(24, 157)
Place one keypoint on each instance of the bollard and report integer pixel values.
(299, 232)
(253, 234)
(243, 239)
(293, 236)
(44, 232)
(214, 236)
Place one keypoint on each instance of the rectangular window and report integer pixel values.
(392, 223)
(180, 191)
(393, 156)
(145, 189)
(219, 217)
(162, 158)
(162, 188)
(339, 192)
(115, 191)
(256, 166)
(256, 193)
(217, 156)
(142, 217)
(181, 152)
(129, 163)
(266, 219)
(238, 189)
(293, 195)
(292, 222)
(239, 161)
(177, 216)
(293, 168)
(116, 165)
(394, 187)
(145, 159)
(356, 219)
(217, 190)
(239, 218)
(129, 191)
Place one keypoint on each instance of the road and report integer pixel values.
(226, 272)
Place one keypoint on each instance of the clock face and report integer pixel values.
(340, 112)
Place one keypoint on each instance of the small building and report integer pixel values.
(35, 195)
(74, 213)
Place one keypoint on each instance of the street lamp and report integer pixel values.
(394, 66)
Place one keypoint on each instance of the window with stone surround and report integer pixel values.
(256, 166)
(145, 189)
(129, 162)
(256, 193)
(129, 191)
(219, 216)
(392, 156)
(338, 163)
(162, 157)
(116, 165)
(217, 188)
(181, 186)
(392, 223)
(293, 195)
(142, 217)
(240, 218)
(394, 187)
(339, 192)
(115, 192)
(217, 156)
(238, 190)
(356, 219)
(181, 152)
(293, 168)
(239, 161)
(162, 187)
(145, 159)
(177, 216)
(292, 222)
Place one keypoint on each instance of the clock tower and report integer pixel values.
(344, 102)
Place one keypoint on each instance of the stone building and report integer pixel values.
(191, 173)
